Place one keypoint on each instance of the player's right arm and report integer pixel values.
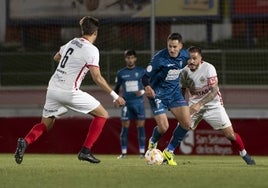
(57, 57)
(149, 92)
(151, 71)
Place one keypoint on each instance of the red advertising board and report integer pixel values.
(68, 135)
(206, 142)
(250, 7)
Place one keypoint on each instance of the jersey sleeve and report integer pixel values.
(212, 75)
(153, 67)
(92, 56)
(62, 49)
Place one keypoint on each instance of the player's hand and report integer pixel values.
(120, 101)
(194, 108)
(149, 92)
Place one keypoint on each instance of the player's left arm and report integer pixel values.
(213, 90)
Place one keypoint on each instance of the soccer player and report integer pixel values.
(162, 87)
(130, 79)
(75, 58)
(200, 83)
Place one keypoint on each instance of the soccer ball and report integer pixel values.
(154, 157)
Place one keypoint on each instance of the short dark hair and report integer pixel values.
(193, 49)
(130, 52)
(89, 25)
(175, 36)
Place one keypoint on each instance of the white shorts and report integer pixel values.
(58, 102)
(217, 118)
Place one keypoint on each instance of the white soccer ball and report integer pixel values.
(154, 157)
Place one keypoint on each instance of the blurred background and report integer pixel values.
(232, 33)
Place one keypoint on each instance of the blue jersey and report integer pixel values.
(130, 80)
(163, 72)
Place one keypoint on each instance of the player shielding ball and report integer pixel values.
(199, 82)
(75, 58)
(162, 87)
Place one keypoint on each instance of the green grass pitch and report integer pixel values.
(38, 170)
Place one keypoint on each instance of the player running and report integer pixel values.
(162, 87)
(199, 82)
(130, 79)
(75, 58)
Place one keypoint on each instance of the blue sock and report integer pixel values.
(124, 139)
(178, 135)
(156, 135)
(141, 139)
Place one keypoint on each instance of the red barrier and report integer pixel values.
(68, 135)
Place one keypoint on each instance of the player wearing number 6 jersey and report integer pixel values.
(199, 81)
(75, 58)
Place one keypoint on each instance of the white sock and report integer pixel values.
(124, 151)
(243, 153)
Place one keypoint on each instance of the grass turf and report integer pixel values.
(192, 171)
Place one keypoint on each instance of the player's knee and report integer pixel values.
(49, 122)
(186, 125)
(104, 114)
(230, 136)
(229, 133)
(50, 126)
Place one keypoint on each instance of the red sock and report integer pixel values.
(238, 143)
(35, 133)
(94, 131)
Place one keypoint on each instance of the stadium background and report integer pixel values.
(233, 34)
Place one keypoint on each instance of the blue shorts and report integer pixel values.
(133, 111)
(160, 106)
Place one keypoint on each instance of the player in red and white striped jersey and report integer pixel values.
(199, 83)
(75, 58)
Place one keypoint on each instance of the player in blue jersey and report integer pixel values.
(130, 79)
(161, 83)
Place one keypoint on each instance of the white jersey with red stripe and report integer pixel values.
(198, 83)
(76, 56)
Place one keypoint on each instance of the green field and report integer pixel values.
(193, 171)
